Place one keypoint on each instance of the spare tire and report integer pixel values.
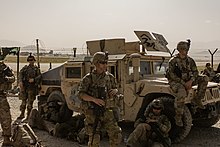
(177, 133)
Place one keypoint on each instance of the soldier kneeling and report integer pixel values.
(152, 129)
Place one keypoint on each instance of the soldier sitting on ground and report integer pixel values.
(56, 118)
(153, 129)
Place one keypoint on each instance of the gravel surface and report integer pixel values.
(198, 137)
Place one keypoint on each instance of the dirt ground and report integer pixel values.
(198, 137)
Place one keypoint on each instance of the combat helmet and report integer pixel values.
(157, 103)
(207, 64)
(31, 57)
(184, 45)
(100, 57)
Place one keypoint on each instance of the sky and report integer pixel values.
(70, 23)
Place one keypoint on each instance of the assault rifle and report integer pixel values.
(98, 110)
(2, 78)
(155, 128)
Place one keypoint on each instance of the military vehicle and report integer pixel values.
(139, 68)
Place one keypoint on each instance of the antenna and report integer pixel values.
(38, 61)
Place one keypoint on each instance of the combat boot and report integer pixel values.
(178, 120)
(21, 115)
(7, 142)
(198, 102)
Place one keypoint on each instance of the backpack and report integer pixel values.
(24, 136)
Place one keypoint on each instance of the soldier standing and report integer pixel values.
(144, 134)
(182, 74)
(6, 79)
(29, 80)
(92, 84)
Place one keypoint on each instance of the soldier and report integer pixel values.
(98, 112)
(209, 71)
(6, 79)
(144, 134)
(182, 74)
(56, 118)
(218, 68)
(29, 80)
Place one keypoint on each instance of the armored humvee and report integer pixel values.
(139, 68)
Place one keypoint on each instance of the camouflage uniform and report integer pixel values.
(143, 134)
(28, 95)
(90, 85)
(6, 79)
(181, 71)
(57, 120)
(209, 71)
(218, 68)
(48, 115)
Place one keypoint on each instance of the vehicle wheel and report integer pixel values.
(177, 133)
(64, 111)
(208, 122)
(56, 96)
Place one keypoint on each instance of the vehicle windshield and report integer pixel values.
(159, 67)
(153, 67)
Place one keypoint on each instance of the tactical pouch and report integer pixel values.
(22, 95)
(5, 86)
(116, 113)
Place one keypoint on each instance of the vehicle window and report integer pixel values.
(145, 68)
(112, 70)
(130, 68)
(160, 69)
(73, 72)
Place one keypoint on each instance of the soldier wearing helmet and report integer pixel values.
(95, 105)
(29, 81)
(183, 45)
(157, 103)
(182, 74)
(209, 71)
(6, 79)
(100, 57)
(31, 58)
(144, 134)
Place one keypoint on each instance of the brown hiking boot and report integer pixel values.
(179, 121)
(198, 102)
(7, 142)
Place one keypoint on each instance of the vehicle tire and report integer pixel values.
(56, 96)
(177, 133)
(64, 111)
(206, 122)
